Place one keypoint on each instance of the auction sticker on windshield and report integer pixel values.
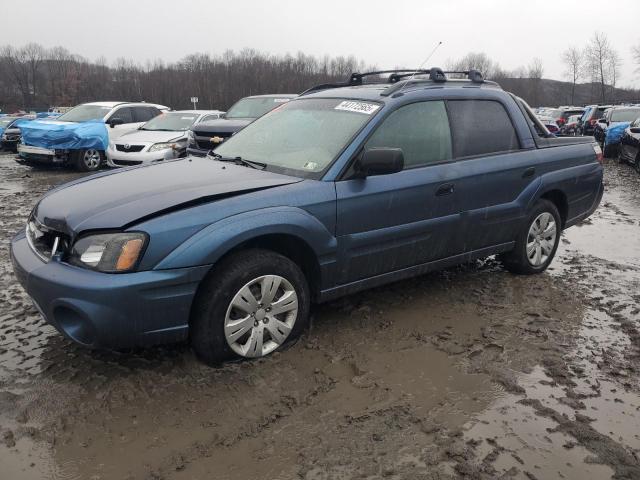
(358, 107)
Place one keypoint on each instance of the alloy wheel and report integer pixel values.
(541, 239)
(261, 316)
(91, 159)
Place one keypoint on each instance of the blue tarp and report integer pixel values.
(614, 133)
(66, 136)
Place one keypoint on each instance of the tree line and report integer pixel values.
(33, 77)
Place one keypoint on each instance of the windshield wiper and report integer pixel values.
(239, 161)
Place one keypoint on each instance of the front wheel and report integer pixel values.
(88, 160)
(537, 242)
(252, 304)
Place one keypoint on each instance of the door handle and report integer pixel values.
(445, 189)
(529, 172)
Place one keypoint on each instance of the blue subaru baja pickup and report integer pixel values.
(346, 187)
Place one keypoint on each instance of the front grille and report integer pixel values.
(204, 139)
(46, 242)
(128, 148)
(126, 163)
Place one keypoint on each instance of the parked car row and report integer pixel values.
(121, 134)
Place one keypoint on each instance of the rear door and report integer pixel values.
(494, 169)
(390, 222)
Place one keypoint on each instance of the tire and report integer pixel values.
(608, 150)
(214, 317)
(90, 160)
(517, 261)
(636, 164)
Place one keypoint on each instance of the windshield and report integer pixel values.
(303, 136)
(171, 122)
(4, 121)
(627, 115)
(254, 107)
(84, 113)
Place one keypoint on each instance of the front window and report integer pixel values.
(303, 136)
(84, 113)
(254, 107)
(171, 122)
(627, 115)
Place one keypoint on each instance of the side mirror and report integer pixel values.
(115, 121)
(379, 161)
(603, 121)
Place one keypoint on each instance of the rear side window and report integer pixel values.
(144, 114)
(481, 127)
(125, 114)
(420, 129)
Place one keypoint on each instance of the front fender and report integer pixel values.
(208, 245)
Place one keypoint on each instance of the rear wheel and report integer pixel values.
(608, 150)
(88, 160)
(537, 242)
(253, 304)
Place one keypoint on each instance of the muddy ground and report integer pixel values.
(467, 373)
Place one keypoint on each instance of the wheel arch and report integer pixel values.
(559, 199)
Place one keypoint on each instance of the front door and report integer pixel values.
(390, 222)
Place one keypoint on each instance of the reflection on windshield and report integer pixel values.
(304, 135)
(171, 122)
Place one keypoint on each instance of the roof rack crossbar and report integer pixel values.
(356, 79)
(436, 75)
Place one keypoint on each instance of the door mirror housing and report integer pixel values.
(115, 121)
(379, 161)
(603, 121)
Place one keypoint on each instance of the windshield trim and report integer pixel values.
(319, 175)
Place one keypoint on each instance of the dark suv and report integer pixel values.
(592, 114)
(347, 187)
(208, 135)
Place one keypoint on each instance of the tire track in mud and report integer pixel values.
(457, 374)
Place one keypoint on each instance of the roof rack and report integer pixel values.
(435, 74)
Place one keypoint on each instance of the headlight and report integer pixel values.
(191, 137)
(162, 146)
(108, 252)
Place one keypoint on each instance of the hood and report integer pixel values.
(114, 200)
(221, 125)
(150, 136)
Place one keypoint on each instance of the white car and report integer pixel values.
(120, 118)
(161, 138)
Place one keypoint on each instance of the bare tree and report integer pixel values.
(635, 53)
(534, 73)
(573, 59)
(602, 62)
(476, 61)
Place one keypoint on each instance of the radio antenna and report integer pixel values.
(420, 67)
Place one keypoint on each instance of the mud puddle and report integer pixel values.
(467, 373)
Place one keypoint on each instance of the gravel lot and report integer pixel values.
(467, 373)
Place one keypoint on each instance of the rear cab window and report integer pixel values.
(481, 127)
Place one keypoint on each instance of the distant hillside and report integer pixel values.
(546, 92)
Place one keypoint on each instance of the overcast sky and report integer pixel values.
(385, 33)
